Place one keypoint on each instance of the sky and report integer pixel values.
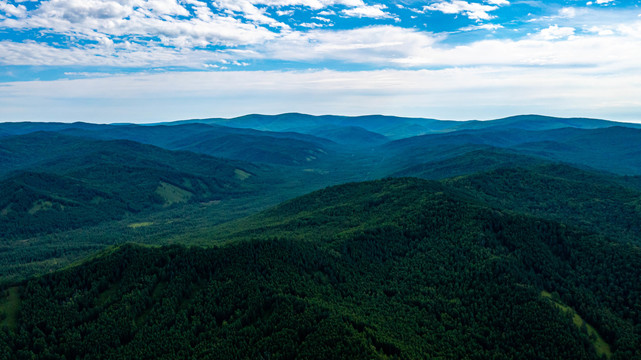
(144, 61)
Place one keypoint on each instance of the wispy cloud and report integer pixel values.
(490, 27)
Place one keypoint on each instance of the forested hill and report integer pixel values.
(594, 201)
(396, 268)
(54, 182)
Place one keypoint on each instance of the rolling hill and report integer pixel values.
(593, 148)
(61, 182)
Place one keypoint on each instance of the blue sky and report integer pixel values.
(158, 60)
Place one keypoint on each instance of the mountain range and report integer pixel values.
(299, 236)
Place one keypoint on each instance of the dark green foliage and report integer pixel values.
(350, 135)
(412, 270)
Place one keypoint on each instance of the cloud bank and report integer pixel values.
(500, 51)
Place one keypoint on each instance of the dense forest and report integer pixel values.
(115, 243)
(411, 270)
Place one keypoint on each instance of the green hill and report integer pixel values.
(398, 268)
(286, 148)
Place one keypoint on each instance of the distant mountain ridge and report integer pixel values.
(396, 127)
(393, 127)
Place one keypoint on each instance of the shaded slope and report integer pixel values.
(239, 144)
(350, 135)
(468, 163)
(594, 148)
(262, 149)
(62, 154)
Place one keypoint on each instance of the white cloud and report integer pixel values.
(474, 11)
(313, 4)
(563, 14)
(490, 27)
(632, 30)
(12, 10)
(311, 25)
(498, 2)
(249, 11)
(327, 13)
(601, 30)
(123, 55)
(369, 11)
(375, 45)
(178, 23)
(141, 20)
(284, 12)
(567, 13)
(555, 32)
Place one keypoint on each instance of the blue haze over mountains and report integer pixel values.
(71, 173)
(305, 140)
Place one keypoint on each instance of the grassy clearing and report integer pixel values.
(40, 205)
(241, 175)
(9, 308)
(172, 194)
(140, 224)
(601, 347)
